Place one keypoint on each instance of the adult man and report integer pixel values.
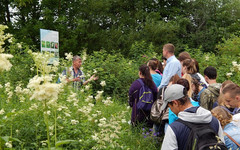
(210, 95)
(173, 65)
(177, 133)
(231, 93)
(75, 75)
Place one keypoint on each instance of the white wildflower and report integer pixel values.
(55, 63)
(48, 112)
(99, 92)
(90, 104)
(4, 62)
(238, 66)
(234, 63)
(94, 115)
(107, 102)
(34, 106)
(51, 128)
(7, 85)
(1, 86)
(102, 119)
(18, 89)
(22, 99)
(95, 137)
(45, 91)
(123, 120)
(82, 90)
(10, 40)
(103, 83)
(88, 75)
(99, 112)
(44, 143)
(19, 45)
(90, 118)
(69, 56)
(17, 131)
(26, 91)
(98, 97)
(29, 51)
(2, 111)
(229, 74)
(94, 71)
(73, 122)
(8, 144)
(67, 114)
(87, 87)
(32, 68)
(206, 58)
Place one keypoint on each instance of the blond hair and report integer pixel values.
(221, 113)
(189, 78)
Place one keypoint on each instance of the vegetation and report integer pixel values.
(118, 24)
(114, 38)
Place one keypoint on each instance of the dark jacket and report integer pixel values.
(139, 116)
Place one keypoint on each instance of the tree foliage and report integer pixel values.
(117, 24)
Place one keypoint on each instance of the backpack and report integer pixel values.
(156, 115)
(202, 137)
(145, 97)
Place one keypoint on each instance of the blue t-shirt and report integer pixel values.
(157, 78)
(172, 117)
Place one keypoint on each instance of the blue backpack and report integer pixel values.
(145, 97)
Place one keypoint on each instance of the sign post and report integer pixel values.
(50, 43)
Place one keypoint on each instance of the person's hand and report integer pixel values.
(93, 78)
(77, 79)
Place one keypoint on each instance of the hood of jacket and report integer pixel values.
(200, 116)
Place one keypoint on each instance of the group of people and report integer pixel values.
(187, 99)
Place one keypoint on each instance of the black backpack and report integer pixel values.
(202, 137)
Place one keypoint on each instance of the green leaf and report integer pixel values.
(59, 143)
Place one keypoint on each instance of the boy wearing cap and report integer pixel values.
(177, 133)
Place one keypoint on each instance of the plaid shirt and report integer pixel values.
(71, 74)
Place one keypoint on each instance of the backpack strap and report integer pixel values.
(232, 139)
(191, 126)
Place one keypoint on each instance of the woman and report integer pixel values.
(159, 69)
(231, 130)
(138, 115)
(157, 78)
(189, 66)
(197, 90)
